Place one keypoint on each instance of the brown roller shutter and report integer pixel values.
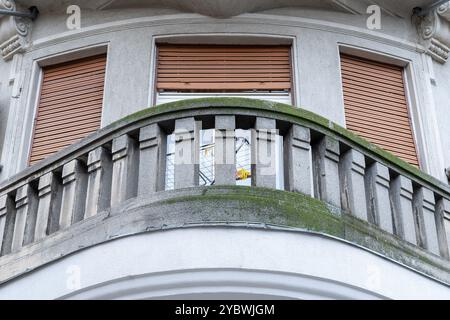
(376, 106)
(70, 105)
(223, 68)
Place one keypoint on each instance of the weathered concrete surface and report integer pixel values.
(402, 195)
(251, 207)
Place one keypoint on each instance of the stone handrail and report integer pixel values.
(359, 184)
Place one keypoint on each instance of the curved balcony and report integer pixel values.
(154, 171)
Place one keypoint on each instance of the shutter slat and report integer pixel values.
(87, 81)
(70, 93)
(74, 79)
(189, 67)
(369, 74)
(64, 129)
(376, 106)
(224, 63)
(372, 108)
(376, 121)
(62, 118)
(64, 137)
(396, 114)
(221, 75)
(89, 62)
(82, 90)
(224, 86)
(51, 105)
(77, 108)
(74, 70)
(59, 143)
(383, 67)
(371, 86)
(70, 105)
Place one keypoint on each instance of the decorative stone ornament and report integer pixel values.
(434, 30)
(14, 31)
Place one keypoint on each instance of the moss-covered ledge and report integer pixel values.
(234, 207)
(237, 105)
(254, 205)
(299, 115)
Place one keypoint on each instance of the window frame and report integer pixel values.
(415, 118)
(227, 39)
(36, 86)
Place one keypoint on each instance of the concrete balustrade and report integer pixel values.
(49, 205)
(424, 206)
(353, 196)
(6, 213)
(25, 220)
(125, 159)
(99, 168)
(326, 170)
(402, 207)
(263, 153)
(445, 210)
(298, 170)
(225, 146)
(130, 163)
(74, 181)
(443, 226)
(152, 160)
(186, 153)
(378, 198)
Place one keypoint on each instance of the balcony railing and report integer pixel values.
(377, 200)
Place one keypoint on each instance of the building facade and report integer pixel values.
(225, 149)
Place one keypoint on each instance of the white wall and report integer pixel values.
(4, 100)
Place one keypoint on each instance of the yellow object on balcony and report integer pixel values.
(242, 174)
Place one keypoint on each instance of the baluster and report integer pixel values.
(99, 168)
(25, 221)
(74, 180)
(125, 169)
(186, 173)
(377, 189)
(352, 170)
(263, 153)
(3, 212)
(151, 160)
(424, 207)
(297, 149)
(7, 215)
(402, 207)
(224, 152)
(49, 193)
(326, 171)
(443, 226)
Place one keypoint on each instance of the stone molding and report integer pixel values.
(14, 31)
(434, 32)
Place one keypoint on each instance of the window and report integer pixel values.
(376, 107)
(188, 71)
(70, 105)
(185, 71)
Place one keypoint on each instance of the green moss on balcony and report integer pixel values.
(299, 115)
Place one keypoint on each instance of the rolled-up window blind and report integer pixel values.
(376, 106)
(70, 105)
(187, 68)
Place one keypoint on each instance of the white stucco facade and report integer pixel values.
(221, 262)
(206, 261)
(317, 36)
